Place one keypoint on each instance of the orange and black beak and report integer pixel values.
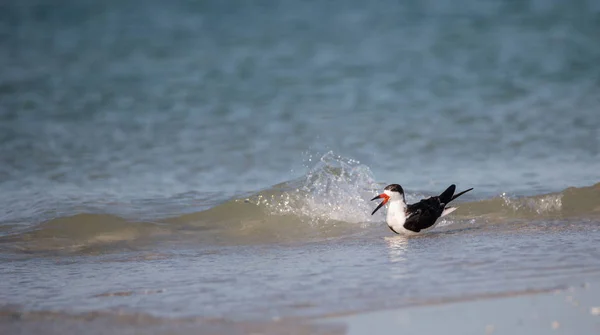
(385, 198)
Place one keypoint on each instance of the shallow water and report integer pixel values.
(369, 269)
(216, 160)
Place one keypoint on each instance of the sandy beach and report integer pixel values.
(572, 310)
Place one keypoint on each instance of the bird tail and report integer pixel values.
(461, 193)
(448, 195)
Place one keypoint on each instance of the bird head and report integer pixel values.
(392, 192)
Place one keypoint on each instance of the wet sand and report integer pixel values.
(564, 311)
(571, 310)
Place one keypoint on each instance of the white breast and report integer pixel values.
(396, 217)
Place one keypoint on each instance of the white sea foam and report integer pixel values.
(334, 189)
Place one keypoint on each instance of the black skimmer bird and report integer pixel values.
(418, 217)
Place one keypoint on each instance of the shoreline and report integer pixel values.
(558, 310)
(572, 310)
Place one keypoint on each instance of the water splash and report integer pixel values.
(334, 189)
(539, 205)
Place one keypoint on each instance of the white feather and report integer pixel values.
(396, 214)
(447, 211)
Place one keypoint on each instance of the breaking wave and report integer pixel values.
(330, 201)
(573, 202)
(335, 189)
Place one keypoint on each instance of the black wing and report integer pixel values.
(423, 214)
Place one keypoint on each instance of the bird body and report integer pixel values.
(411, 219)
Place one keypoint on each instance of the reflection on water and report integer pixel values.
(397, 248)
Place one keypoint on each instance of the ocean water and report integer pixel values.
(215, 160)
